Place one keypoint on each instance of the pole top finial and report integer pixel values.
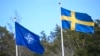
(59, 3)
(15, 19)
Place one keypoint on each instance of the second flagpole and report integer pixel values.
(15, 38)
(62, 41)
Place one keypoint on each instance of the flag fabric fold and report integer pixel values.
(77, 21)
(26, 38)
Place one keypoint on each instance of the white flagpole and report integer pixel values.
(16, 50)
(15, 40)
(62, 42)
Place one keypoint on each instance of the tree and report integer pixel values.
(7, 44)
(75, 43)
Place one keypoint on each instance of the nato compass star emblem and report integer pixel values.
(29, 38)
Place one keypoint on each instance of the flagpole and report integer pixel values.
(15, 40)
(62, 41)
(16, 50)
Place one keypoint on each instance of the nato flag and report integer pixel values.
(28, 39)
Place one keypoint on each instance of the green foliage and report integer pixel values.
(75, 43)
(7, 44)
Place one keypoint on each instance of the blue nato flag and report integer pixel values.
(77, 21)
(28, 39)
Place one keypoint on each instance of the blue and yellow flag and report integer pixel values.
(76, 21)
(26, 38)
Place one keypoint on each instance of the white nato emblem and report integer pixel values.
(29, 38)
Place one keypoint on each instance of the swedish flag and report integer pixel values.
(76, 21)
